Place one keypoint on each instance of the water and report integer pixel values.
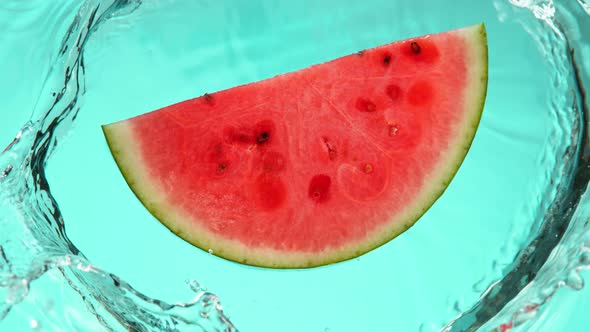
(510, 230)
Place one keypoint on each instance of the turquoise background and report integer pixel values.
(169, 51)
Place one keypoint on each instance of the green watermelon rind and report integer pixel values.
(122, 145)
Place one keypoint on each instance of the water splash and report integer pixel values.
(557, 246)
(33, 240)
(585, 5)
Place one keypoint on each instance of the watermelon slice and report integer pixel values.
(315, 166)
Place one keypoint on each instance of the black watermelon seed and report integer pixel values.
(262, 138)
(415, 48)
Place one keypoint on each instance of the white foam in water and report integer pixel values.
(499, 275)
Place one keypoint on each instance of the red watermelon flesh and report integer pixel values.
(315, 166)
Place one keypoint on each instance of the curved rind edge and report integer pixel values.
(120, 140)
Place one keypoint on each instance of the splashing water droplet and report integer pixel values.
(574, 280)
(195, 286)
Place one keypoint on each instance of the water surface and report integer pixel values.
(79, 252)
